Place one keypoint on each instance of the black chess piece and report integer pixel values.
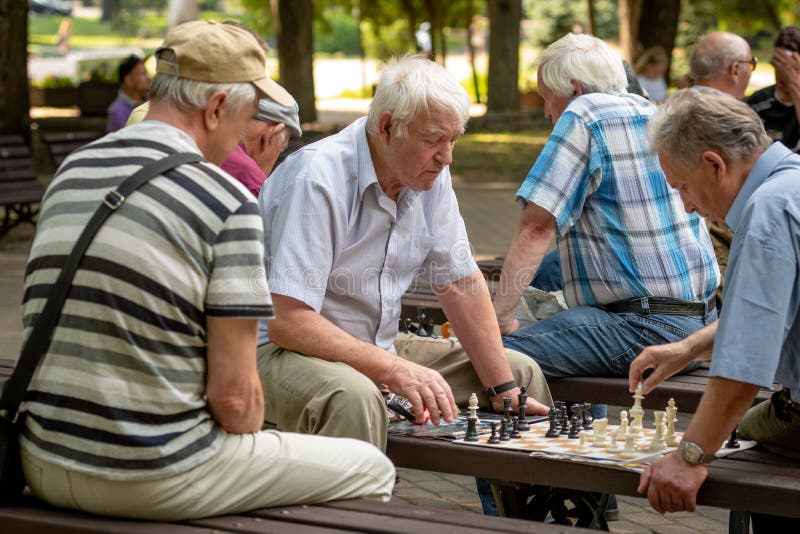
(472, 429)
(574, 427)
(493, 439)
(515, 428)
(733, 442)
(507, 410)
(429, 328)
(523, 421)
(564, 422)
(552, 432)
(504, 431)
(587, 415)
(406, 328)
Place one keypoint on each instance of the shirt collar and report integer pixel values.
(366, 169)
(757, 176)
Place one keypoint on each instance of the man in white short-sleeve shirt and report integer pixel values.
(349, 223)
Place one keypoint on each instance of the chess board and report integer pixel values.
(564, 448)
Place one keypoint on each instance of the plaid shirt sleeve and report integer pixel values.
(566, 172)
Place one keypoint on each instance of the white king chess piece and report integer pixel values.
(637, 413)
(672, 417)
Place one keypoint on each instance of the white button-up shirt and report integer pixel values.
(335, 241)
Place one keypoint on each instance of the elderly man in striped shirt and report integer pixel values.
(637, 269)
(349, 222)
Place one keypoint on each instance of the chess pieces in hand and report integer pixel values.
(494, 438)
(733, 442)
(472, 429)
(637, 413)
(672, 417)
(522, 399)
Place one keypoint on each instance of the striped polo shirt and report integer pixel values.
(120, 393)
(623, 232)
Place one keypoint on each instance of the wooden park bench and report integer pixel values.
(361, 515)
(60, 144)
(20, 190)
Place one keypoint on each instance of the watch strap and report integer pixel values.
(502, 388)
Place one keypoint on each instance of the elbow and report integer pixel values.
(278, 331)
(238, 413)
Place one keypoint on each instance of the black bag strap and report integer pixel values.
(38, 341)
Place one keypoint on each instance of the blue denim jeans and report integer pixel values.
(548, 276)
(588, 341)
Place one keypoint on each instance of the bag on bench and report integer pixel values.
(12, 393)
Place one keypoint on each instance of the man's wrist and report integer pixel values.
(499, 389)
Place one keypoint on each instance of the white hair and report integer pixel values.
(414, 86)
(585, 59)
(692, 121)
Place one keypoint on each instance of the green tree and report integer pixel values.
(504, 19)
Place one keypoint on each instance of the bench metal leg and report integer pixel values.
(738, 522)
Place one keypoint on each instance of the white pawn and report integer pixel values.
(615, 445)
(583, 446)
(623, 423)
(630, 445)
(473, 407)
(658, 443)
(599, 432)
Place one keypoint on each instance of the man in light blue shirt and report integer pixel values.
(350, 222)
(715, 152)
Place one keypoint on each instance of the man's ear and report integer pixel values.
(214, 109)
(714, 161)
(385, 125)
(577, 88)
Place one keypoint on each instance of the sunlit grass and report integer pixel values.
(496, 157)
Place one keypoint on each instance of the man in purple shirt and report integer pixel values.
(134, 83)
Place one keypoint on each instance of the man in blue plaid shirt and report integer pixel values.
(637, 269)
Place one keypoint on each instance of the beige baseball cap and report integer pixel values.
(213, 52)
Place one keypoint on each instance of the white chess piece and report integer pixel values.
(473, 406)
(615, 444)
(658, 443)
(583, 446)
(599, 432)
(629, 451)
(670, 438)
(623, 423)
(637, 413)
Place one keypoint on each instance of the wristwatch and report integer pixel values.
(693, 453)
(502, 388)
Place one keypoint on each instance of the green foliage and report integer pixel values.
(555, 18)
(483, 86)
(336, 32)
(99, 70)
(387, 40)
(53, 82)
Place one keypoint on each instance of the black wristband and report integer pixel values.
(502, 388)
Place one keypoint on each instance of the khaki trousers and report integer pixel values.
(251, 471)
(775, 424)
(313, 396)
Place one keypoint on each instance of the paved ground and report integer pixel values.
(491, 215)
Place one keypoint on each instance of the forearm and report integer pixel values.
(469, 310)
(700, 344)
(301, 329)
(722, 406)
(529, 245)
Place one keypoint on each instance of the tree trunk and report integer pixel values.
(629, 11)
(504, 20)
(295, 51)
(590, 18)
(471, 50)
(110, 10)
(411, 15)
(658, 25)
(181, 11)
(14, 101)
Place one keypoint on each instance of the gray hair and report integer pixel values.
(583, 58)
(187, 95)
(412, 87)
(692, 121)
(713, 54)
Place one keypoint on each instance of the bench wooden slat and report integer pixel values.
(45, 519)
(251, 524)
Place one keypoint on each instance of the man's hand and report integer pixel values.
(671, 484)
(787, 66)
(424, 388)
(532, 406)
(664, 360)
(507, 326)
